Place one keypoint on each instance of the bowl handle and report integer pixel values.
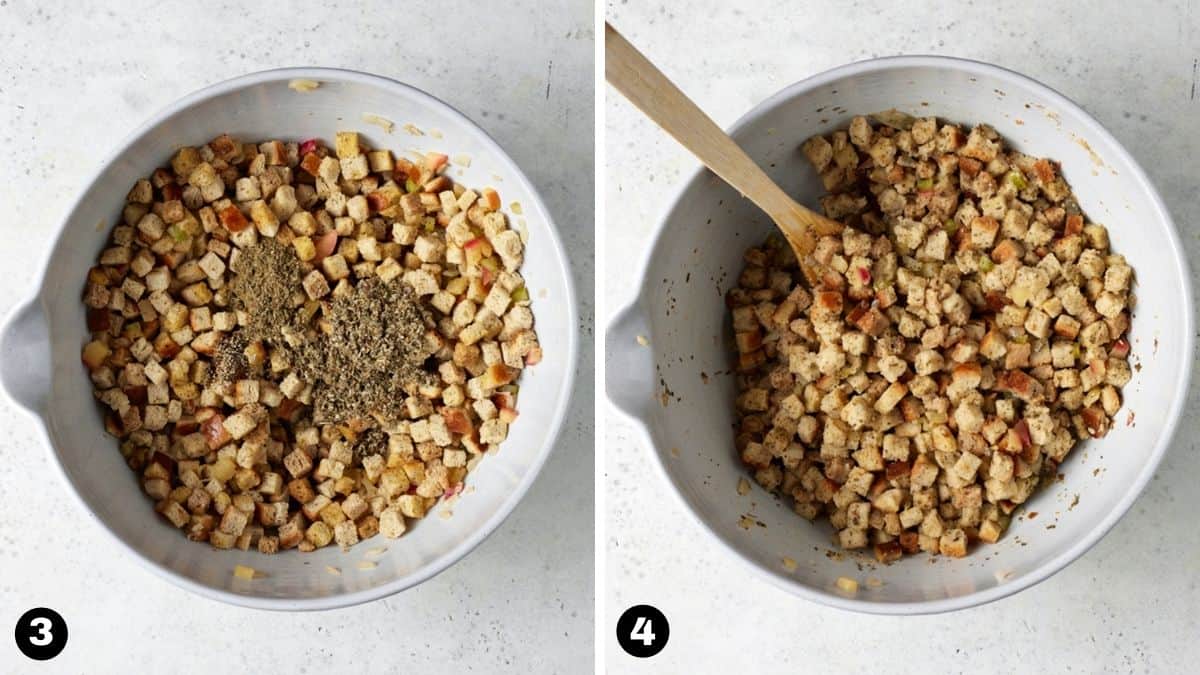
(629, 361)
(25, 356)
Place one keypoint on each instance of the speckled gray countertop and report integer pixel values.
(75, 78)
(1132, 604)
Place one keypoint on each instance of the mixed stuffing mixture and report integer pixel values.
(298, 345)
(968, 329)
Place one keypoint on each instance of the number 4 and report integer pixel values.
(642, 631)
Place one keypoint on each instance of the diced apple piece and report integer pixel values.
(214, 432)
(325, 246)
(435, 161)
(491, 199)
(497, 375)
(534, 356)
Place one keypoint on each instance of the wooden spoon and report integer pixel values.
(647, 88)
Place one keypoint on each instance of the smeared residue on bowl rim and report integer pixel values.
(382, 122)
(303, 86)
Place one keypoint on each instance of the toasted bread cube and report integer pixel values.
(355, 168)
(315, 285)
(429, 248)
(422, 282)
(354, 506)
(328, 170)
(247, 189)
(346, 144)
(412, 506)
(391, 522)
(393, 483)
(510, 248)
(358, 209)
(953, 543)
(493, 431)
(329, 468)
(890, 397)
(335, 267)
(380, 161)
(388, 269)
(264, 218)
(234, 521)
(174, 512)
(239, 424)
(318, 534)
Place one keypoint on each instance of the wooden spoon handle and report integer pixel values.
(647, 88)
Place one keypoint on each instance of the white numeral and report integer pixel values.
(43, 637)
(642, 631)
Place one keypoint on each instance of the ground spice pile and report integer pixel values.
(371, 351)
(374, 351)
(267, 287)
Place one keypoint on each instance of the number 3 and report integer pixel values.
(43, 637)
(642, 631)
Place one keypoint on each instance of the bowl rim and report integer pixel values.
(1133, 490)
(557, 419)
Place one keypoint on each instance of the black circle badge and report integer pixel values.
(41, 633)
(642, 631)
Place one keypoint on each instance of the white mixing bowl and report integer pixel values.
(40, 343)
(696, 256)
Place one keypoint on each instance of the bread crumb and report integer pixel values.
(789, 564)
(874, 582)
(461, 160)
(333, 570)
(381, 122)
(847, 585)
(378, 550)
(243, 572)
(303, 86)
(413, 130)
(643, 340)
(435, 133)
(743, 487)
(674, 452)
(366, 565)
(515, 207)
